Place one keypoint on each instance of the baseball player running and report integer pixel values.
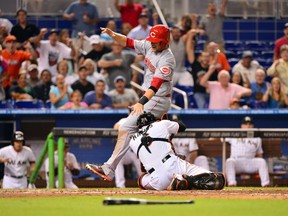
(164, 169)
(157, 87)
(128, 158)
(246, 157)
(17, 159)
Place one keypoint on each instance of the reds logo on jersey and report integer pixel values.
(165, 70)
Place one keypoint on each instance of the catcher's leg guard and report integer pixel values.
(208, 181)
(178, 183)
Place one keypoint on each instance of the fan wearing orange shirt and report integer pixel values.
(15, 58)
(217, 57)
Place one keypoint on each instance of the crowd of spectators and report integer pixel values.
(79, 69)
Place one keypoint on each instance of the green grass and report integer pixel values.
(92, 205)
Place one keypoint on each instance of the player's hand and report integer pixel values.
(137, 109)
(6, 160)
(118, 62)
(108, 31)
(43, 31)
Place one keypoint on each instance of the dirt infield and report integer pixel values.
(269, 193)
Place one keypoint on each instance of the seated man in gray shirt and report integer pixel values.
(122, 97)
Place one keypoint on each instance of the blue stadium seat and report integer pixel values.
(6, 104)
(233, 61)
(48, 104)
(267, 54)
(29, 104)
(256, 46)
(234, 46)
(230, 54)
(178, 98)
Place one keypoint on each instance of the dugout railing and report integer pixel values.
(60, 133)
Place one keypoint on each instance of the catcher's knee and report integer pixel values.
(178, 183)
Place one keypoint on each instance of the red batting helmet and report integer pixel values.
(159, 33)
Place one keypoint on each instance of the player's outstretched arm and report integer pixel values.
(121, 39)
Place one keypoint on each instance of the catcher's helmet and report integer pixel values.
(159, 33)
(18, 136)
(145, 119)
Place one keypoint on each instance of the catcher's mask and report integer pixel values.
(145, 119)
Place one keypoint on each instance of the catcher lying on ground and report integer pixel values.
(163, 169)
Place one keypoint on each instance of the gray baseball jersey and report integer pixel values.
(160, 64)
(19, 161)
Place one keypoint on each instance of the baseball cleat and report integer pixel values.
(97, 170)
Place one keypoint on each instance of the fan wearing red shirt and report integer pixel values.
(129, 11)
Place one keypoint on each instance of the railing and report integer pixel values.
(183, 93)
(172, 9)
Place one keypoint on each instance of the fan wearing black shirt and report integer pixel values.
(199, 67)
(82, 84)
(24, 31)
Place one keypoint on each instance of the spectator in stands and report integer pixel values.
(275, 95)
(212, 24)
(199, 67)
(82, 84)
(247, 67)
(71, 167)
(84, 17)
(64, 37)
(5, 29)
(280, 42)
(98, 99)
(98, 50)
(234, 104)
(126, 28)
(129, 11)
(246, 157)
(178, 47)
(187, 149)
(33, 78)
(280, 67)
(188, 22)
(22, 91)
(92, 73)
(15, 58)
(75, 103)
(217, 57)
(122, 97)
(52, 51)
(129, 158)
(24, 31)
(61, 93)
(42, 90)
(3, 75)
(62, 68)
(141, 31)
(111, 24)
(237, 79)
(259, 87)
(117, 63)
(221, 91)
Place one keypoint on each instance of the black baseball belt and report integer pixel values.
(163, 161)
(17, 177)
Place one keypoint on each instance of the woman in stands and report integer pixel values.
(22, 91)
(75, 103)
(275, 96)
(61, 93)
